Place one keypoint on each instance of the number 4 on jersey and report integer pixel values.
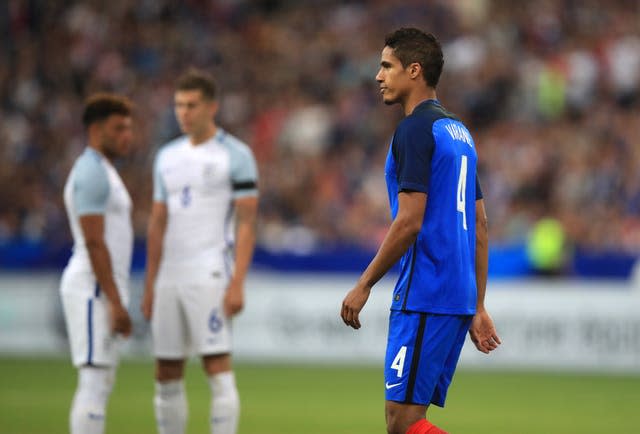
(398, 362)
(462, 191)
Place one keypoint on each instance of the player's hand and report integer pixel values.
(147, 304)
(120, 320)
(353, 304)
(483, 332)
(233, 299)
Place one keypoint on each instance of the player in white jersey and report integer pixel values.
(201, 238)
(94, 287)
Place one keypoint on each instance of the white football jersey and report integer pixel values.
(94, 187)
(199, 183)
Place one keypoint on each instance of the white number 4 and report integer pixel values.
(398, 362)
(462, 191)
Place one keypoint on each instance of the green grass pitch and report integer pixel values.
(279, 399)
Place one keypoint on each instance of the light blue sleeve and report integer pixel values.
(159, 188)
(244, 171)
(90, 185)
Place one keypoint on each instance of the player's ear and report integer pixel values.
(415, 70)
(213, 106)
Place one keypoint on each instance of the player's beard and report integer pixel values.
(110, 148)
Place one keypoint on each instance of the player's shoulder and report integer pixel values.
(89, 156)
(427, 113)
(232, 143)
(88, 164)
(171, 147)
(420, 123)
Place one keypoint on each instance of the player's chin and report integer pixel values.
(124, 150)
(388, 100)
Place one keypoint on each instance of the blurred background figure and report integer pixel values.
(546, 248)
(200, 244)
(551, 92)
(95, 283)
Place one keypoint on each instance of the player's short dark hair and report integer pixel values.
(412, 45)
(100, 106)
(196, 79)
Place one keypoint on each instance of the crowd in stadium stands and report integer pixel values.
(549, 89)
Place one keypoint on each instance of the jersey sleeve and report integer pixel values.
(412, 151)
(244, 172)
(90, 187)
(478, 189)
(159, 188)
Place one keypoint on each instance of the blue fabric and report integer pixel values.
(422, 355)
(433, 152)
(90, 332)
(90, 184)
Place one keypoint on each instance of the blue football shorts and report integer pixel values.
(422, 354)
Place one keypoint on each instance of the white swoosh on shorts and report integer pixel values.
(391, 386)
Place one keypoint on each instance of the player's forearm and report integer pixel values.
(402, 234)
(482, 260)
(155, 239)
(102, 269)
(246, 218)
(245, 245)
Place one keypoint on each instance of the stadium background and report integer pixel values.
(549, 89)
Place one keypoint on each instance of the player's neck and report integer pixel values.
(200, 137)
(97, 148)
(416, 98)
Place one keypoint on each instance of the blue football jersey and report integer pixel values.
(432, 152)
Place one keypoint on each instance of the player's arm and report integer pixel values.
(482, 331)
(412, 150)
(90, 197)
(93, 230)
(155, 239)
(244, 179)
(402, 234)
(482, 252)
(246, 210)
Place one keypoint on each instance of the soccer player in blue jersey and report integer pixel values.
(439, 234)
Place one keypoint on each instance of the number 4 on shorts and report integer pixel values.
(398, 362)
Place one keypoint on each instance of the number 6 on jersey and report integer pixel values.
(462, 191)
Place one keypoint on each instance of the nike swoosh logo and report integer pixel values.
(391, 386)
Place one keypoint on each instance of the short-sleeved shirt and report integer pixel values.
(95, 188)
(199, 184)
(432, 152)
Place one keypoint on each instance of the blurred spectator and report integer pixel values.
(550, 89)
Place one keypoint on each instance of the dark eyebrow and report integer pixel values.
(385, 64)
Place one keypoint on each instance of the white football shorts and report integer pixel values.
(87, 319)
(188, 318)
